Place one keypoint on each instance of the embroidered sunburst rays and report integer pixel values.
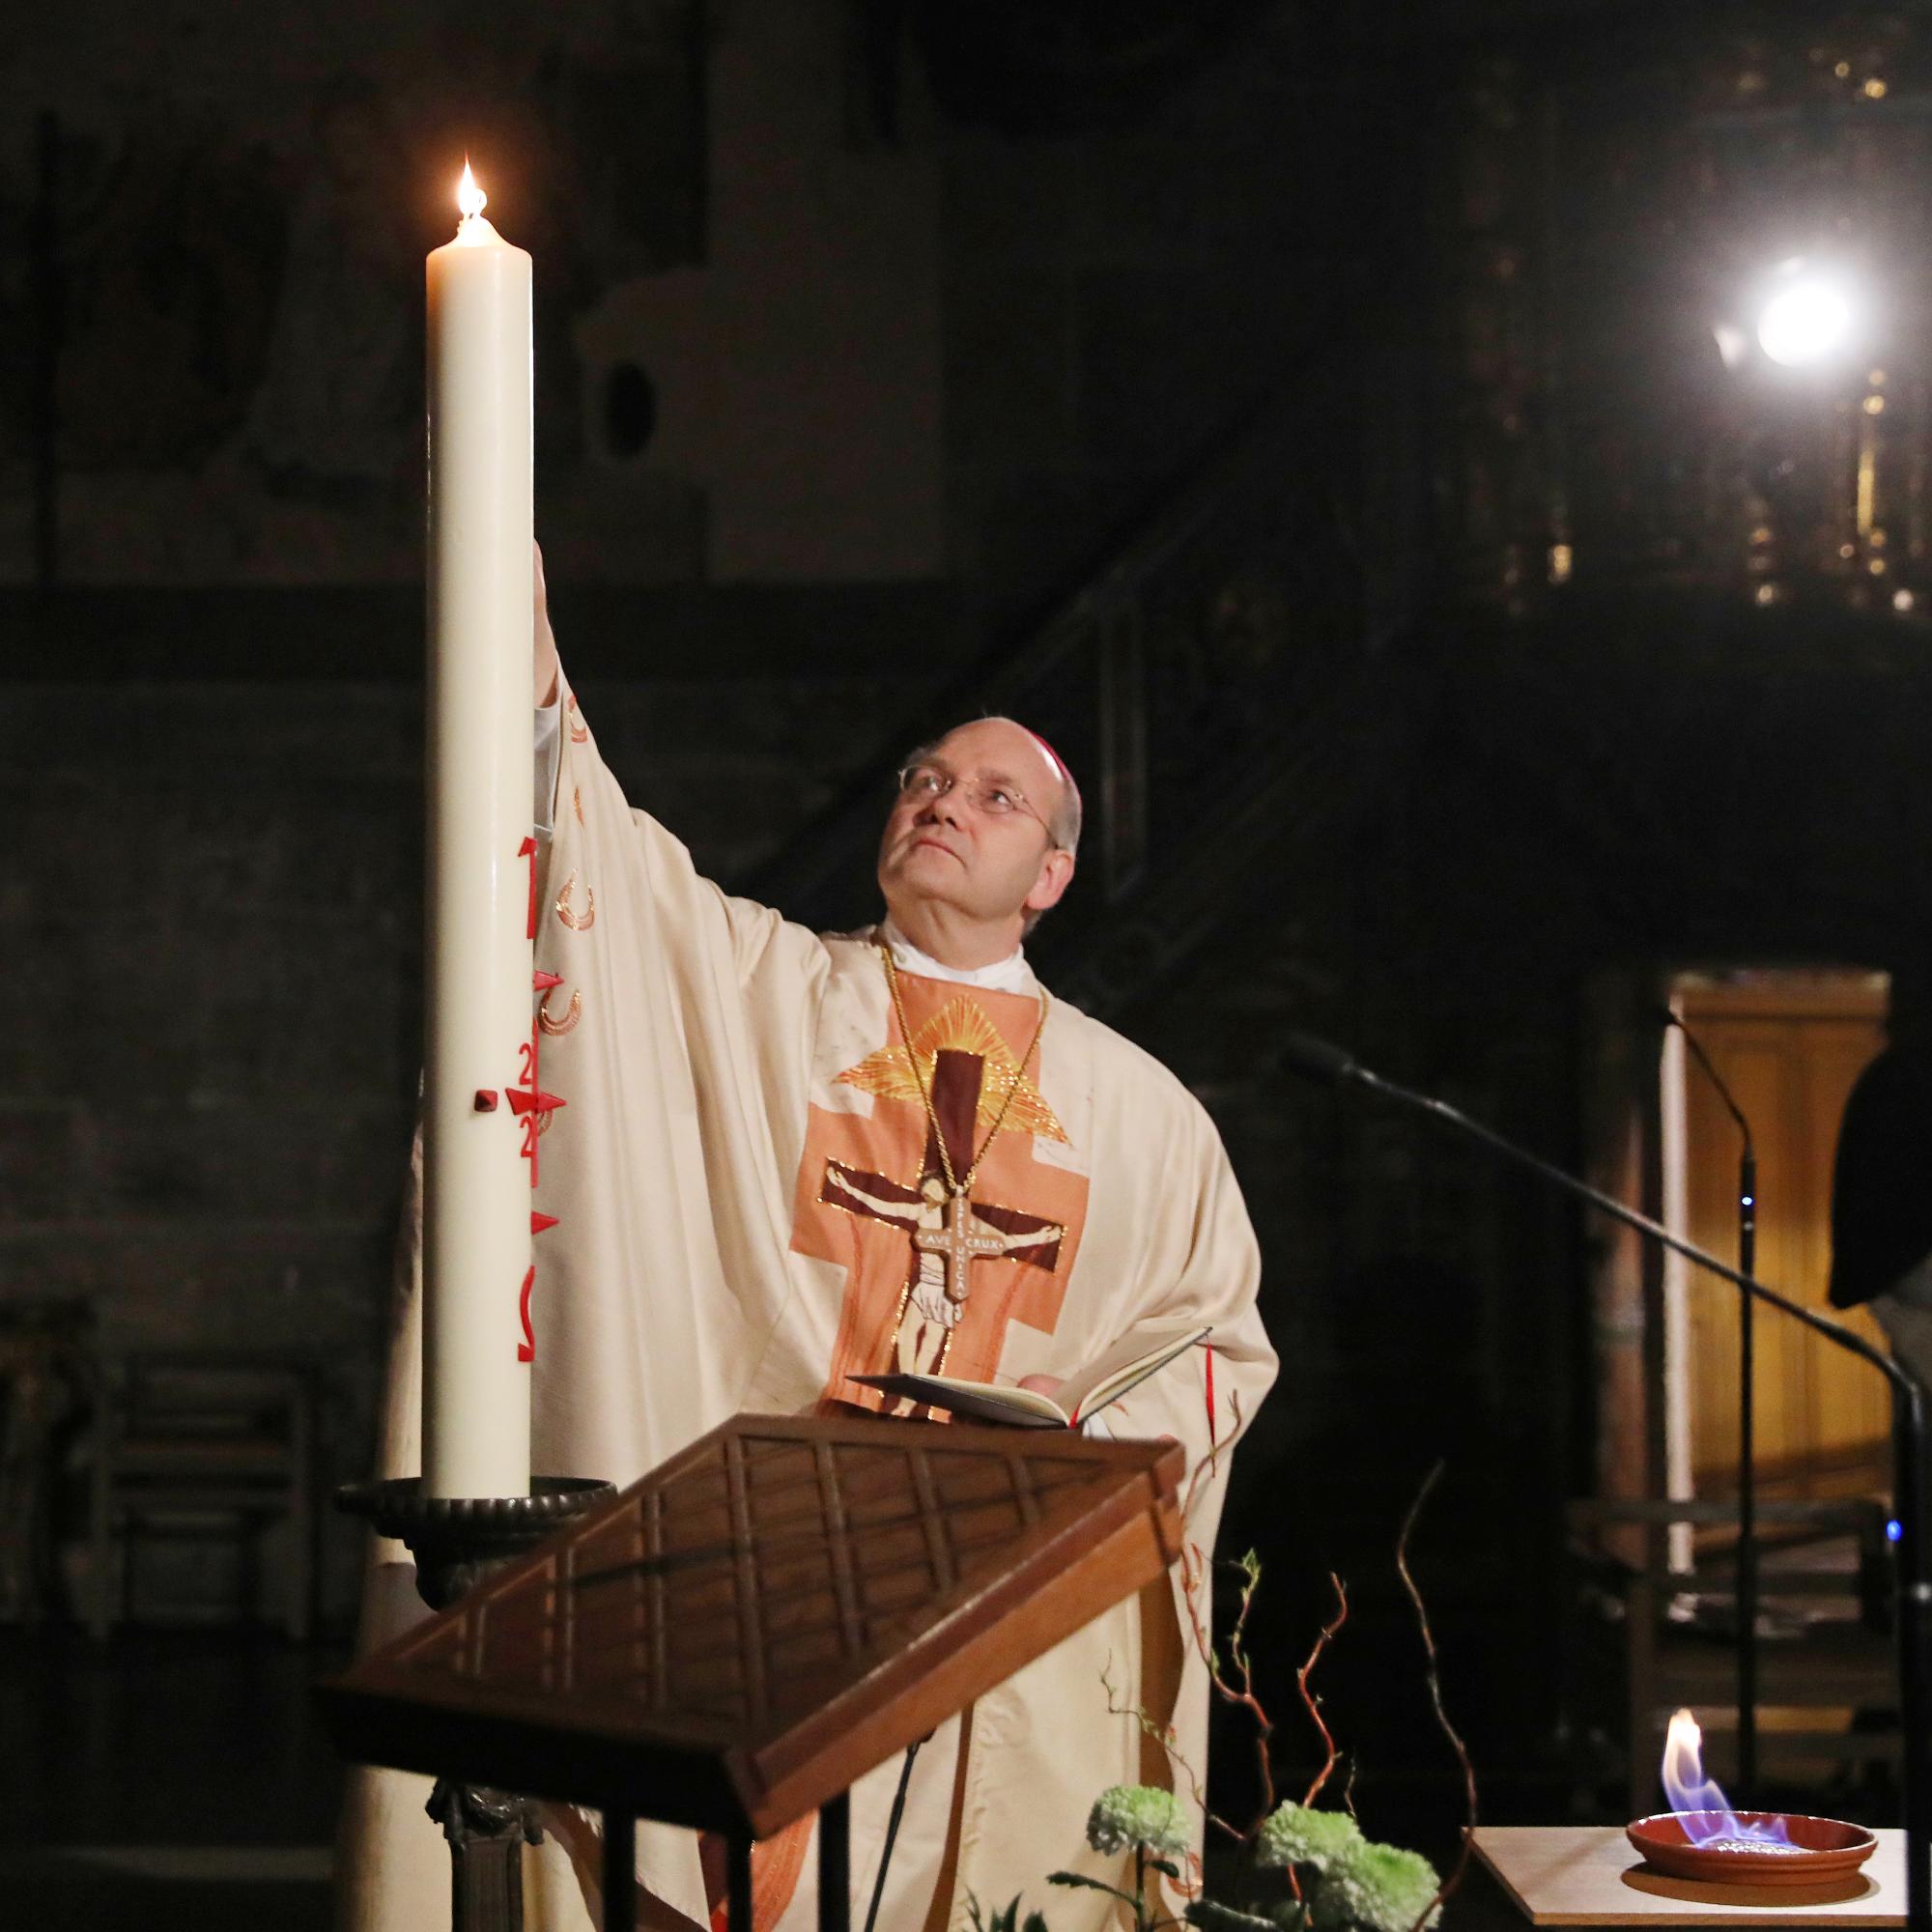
(960, 1027)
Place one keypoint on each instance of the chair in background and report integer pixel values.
(46, 1382)
(1827, 1661)
(204, 1447)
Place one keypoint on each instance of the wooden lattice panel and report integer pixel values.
(769, 1614)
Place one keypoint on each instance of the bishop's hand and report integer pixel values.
(544, 639)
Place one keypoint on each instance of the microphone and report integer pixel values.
(1747, 1551)
(1667, 1019)
(1319, 1060)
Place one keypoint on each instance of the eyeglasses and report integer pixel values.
(922, 785)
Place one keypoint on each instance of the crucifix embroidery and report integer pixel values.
(949, 1232)
(952, 1236)
(870, 1185)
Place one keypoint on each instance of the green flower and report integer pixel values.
(1125, 1815)
(1297, 1835)
(1373, 1888)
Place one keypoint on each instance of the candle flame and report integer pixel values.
(469, 198)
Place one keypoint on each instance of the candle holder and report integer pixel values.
(457, 1541)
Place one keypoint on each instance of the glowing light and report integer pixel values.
(1894, 1529)
(471, 198)
(1699, 1801)
(1808, 318)
(1902, 602)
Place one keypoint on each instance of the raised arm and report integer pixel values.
(548, 671)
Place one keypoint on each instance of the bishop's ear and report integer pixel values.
(1056, 874)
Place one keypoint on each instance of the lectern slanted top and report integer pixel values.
(743, 1631)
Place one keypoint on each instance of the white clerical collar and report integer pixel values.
(1005, 976)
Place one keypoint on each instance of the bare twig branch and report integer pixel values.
(1310, 1701)
(1251, 1575)
(1209, 1465)
(1166, 1737)
(1446, 1889)
(1241, 1693)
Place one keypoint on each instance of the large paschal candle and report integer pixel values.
(476, 1241)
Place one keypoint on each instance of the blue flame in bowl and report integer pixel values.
(1699, 1801)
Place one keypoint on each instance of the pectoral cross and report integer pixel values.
(956, 1242)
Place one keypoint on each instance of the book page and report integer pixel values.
(1131, 1359)
(989, 1402)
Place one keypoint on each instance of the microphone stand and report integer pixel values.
(1319, 1061)
(1747, 1552)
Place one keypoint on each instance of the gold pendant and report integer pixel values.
(576, 922)
(572, 1014)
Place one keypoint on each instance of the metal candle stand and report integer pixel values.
(456, 1542)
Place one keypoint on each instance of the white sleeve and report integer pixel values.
(548, 736)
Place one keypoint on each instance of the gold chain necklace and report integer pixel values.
(953, 1186)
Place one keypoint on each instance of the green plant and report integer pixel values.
(1336, 1879)
(1005, 1919)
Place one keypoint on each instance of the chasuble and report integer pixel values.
(751, 1203)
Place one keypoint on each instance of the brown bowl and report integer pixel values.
(1821, 1849)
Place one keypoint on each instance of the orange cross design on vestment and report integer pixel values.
(933, 1277)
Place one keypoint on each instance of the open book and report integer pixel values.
(1128, 1363)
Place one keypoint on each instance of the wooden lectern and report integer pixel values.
(739, 1635)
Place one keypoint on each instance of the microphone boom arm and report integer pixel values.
(1317, 1059)
(1903, 1385)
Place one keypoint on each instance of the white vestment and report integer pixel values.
(720, 1069)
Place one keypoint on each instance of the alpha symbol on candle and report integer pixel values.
(469, 198)
(526, 1349)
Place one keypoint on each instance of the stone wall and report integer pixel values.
(218, 236)
(1114, 301)
(214, 911)
(776, 341)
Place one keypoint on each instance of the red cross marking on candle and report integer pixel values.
(530, 1100)
(529, 850)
